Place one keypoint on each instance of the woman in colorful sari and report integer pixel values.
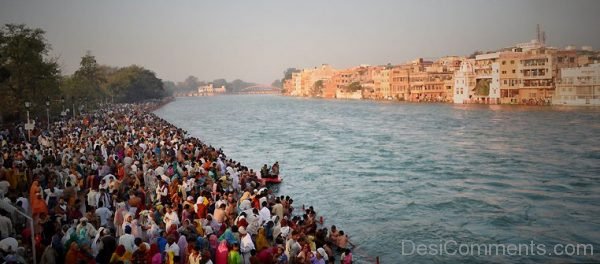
(121, 255)
(213, 244)
(183, 253)
(261, 240)
(222, 253)
(72, 254)
(154, 256)
(38, 205)
(228, 236)
(34, 189)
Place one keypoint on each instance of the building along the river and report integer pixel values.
(579, 86)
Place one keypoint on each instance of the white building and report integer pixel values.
(297, 84)
(209, 90)
(357, 95)
(464, 82)
(579, 86)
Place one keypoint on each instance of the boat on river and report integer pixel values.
(272, 180)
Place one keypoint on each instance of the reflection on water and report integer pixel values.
(385, 172)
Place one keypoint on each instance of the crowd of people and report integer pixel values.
(121, 185)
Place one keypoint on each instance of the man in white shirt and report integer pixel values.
(170, 218)
(246, 244)
(127, 240)
(172, 247)
(253, 222)
(104, 214)
(278, 208)
(88, 228)
(162, 192)
(264, 214)
(104, 198)
(24, 203)
(92, 198)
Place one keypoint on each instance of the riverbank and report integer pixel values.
(123, 174)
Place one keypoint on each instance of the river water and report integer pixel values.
(441, 174)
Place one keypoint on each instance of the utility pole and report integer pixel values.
(48, 110)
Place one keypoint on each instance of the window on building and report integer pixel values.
(503, 62)
(572, 60)
(512, 62)
(514, 71)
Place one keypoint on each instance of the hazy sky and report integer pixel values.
(257, 40)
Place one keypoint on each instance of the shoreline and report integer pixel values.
(321, 220)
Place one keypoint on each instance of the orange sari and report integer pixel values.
(33, 190)
(38, 205)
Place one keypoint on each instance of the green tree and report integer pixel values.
(474, 54)
(287, 74)
(170, 87)
(277, 83)
(88, 81)
(217, 83)
(90, 76)
(353, 87)
(237, 85)
(190, 83)
(317, 88)
(133, 84)
(27, 72)
(482, 87)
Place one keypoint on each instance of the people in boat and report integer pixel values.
(275, 169)
(264, 172)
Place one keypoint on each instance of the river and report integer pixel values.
(388, 173)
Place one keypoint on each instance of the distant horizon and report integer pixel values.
(256, 41)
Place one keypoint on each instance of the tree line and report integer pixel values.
(28, 73)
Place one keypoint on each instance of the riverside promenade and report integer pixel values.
(121, 185)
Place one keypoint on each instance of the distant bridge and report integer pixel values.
(260, 89)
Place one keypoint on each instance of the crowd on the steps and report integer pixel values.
(121, 185)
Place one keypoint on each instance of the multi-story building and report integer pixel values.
(381, 79)
(296, 84)
(320, 74)
(430, 86)
(427, 81)
(578, 86)
(487, 78)
(305, 80)
(510, 76)
(464, 82)
(288, 86)
(399, 81)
